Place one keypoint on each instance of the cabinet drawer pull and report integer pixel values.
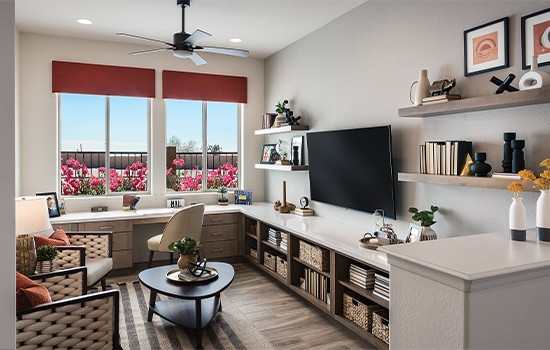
(217, 250)
(218, 219)
(216, 233)
(105, 227)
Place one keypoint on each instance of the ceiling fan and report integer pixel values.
(184, 45)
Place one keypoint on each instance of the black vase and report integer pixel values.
(481, 169)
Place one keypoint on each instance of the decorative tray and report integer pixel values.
(176, 275)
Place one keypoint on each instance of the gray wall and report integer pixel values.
(356, 72)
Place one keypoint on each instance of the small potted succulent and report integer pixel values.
(45, 257)
(280, 108)
(222, 195)
(426, 218)
(187, 248)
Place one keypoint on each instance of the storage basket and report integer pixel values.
(270, 260)
(381, 325)
(253, 253)
(315, 256)
(359, 310)
(281, 266)
(253, 227)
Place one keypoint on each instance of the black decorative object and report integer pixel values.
(504, 85)
(481, 169)
(442, 87)
(507, 161)
(294, 121)
(518, 162)
(295, 157)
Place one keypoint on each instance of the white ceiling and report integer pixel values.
(265, 26)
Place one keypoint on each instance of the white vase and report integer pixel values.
(543, 216)
(535, 78)
(428, 234)
(422, 90)
(518, 224)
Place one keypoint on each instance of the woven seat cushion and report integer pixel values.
(98, 268)
(56, 239)
(153, 243)
(30, 293)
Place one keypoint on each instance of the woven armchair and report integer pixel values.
(90, 249)
(71, 320)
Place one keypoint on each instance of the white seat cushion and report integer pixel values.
(153, 243)
(98, 268)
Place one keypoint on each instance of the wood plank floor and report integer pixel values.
(284, 318)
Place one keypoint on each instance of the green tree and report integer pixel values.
(214, 148)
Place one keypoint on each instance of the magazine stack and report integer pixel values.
(284, 241)
(382, 285)
(274, 236)
(361, 277)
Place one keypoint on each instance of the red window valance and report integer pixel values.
(203, 87)
(96, 79)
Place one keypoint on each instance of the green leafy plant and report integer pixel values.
(187, 246)
(46, 253)
(222, 190)
(426, 217)
(280, 108)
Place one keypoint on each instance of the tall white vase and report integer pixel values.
(535, 78)
(422, 90)
(543, 216)
(518, 223)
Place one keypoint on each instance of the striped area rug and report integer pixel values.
(229, 329)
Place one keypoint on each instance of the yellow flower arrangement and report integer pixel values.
(527, 175)
(516, 187)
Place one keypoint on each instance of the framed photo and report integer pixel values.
(414, 234)
(486, 47)
(61, 203)
(53, 205)
(297, 141)
(268, 152)
(535, 38)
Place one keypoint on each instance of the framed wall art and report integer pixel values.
(486, 47)
(535, 38)
(53, 205)
(267, 154)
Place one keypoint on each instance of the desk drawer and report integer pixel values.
(216, 233)
(221, 249)
(113, 226)
(122, 259)
(219, 219)
(122, 240)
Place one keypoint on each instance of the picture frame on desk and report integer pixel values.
(486, 47)
(53, 204)
(414, 233)
(535, 38)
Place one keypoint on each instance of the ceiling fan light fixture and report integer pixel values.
(84, 21)
(235, 40)
(182, 53)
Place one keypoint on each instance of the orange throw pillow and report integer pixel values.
(58, 238)
(29, 293)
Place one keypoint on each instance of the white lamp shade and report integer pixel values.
(31, 216)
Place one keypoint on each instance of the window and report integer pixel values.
(92, 127)
(201, 143)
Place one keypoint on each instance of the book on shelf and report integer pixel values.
(381, 295)
(444, 157)
(268, 120)
(303, 212)
(316, 284)
(441, 97)
(511, 176)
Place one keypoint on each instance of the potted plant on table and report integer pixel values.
(426, 218)
(280, 108)
(187, 248)
(45, 257)
(222, 195)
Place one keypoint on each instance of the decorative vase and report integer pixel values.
(183, 260)
(46, 266)
(422, 90)
(507, 161)
(481, 169)
(25, 254)
(518, 224)
(428, 234)
(535, 78)
(518, 160)
(543, 216)
(280, 120)
(222, 200)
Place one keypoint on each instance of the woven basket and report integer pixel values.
(315, 256)
(282, 267)
(270, 260)
(381, 325)
(359, 310)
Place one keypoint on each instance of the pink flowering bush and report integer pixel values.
(192, 180)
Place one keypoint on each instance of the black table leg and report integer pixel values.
(198, 310)
(220, 308)
(152, 299)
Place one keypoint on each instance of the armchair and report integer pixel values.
(71, 320)
(90, 249)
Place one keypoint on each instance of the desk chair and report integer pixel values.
(186, 222)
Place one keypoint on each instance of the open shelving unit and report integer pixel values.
(281, 167)
(281, 129)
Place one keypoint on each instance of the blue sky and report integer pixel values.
(83, 123)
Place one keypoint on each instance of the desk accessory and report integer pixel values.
(175, 203)
(283, 149)
(422, 90)
(178, 276)
(518, 162)
(222, 195)
(481, 169)
(507, 161)
(297, 154)
(426, 218)
(284, 207)
(51, 201)
(504, 85)
(442, 87)
(129, 202)
(535, 78)
(243, 197)
(99, 209)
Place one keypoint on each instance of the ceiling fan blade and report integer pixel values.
(223, 51)
(149, 51)
(144, 38)
(198, 60)
(197, 36)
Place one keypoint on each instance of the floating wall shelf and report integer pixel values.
(281, 129)
(281, 167)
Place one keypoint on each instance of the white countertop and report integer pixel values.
(330, 234)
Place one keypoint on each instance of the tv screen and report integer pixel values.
(352, 168)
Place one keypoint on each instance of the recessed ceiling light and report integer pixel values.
(84, 21)
(236, 40)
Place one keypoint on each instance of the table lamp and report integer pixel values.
(31, 218)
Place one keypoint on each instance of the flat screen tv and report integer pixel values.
(352, 168)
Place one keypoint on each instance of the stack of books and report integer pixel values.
(274, 236)
(268, 119)
(361, 277)
(284, 241)
(316, 284)
(439, 99)
(444, 157)
(303, 211)
(382, 285)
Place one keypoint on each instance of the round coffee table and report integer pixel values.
(195, 304)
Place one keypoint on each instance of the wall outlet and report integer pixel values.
(175, 203)
(98, 209)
